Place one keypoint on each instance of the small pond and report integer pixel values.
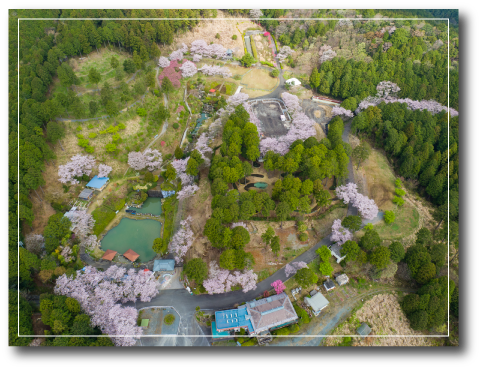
(152, 205)
(256, 185)
(137, 235)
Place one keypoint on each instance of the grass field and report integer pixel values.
(407, 220)
(259, 79)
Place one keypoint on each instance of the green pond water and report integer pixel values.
(137, 235)
(152, 205)
(260, 184)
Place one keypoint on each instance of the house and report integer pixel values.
(97, 183)
(258, 316)
(329, 285)
(271, 313)
(342, 279)
(86, 194)
(167, 265)
(293, 82)
(317, 303)
(336, 252)
(363, 330)
(109, 255)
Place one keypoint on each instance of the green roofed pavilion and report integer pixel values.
(144, 323)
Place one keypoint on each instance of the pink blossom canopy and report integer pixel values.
(76, 167)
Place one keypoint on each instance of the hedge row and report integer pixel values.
(253, 46)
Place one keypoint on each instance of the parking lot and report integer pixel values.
(269, 113)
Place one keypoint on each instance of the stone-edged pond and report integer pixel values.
(152, 205)
(137, 235)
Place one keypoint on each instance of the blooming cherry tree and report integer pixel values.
(136, 160)
(104, 170)
(197, 57)
(279, 287)
(237, 99)
(213, 70)
(255, 13)
(182, 240)
(76, 167)
(386, 89)
(163, 62)
(239, 224)
(176, 55)
(337, 110)
(284, 52)
(187, 191)
(188, 69)
(99, 292)
(339, 233)
(153, 159)
(366, 207)
(292, 269)
(326, 53)
(82, 222)
(35, 243)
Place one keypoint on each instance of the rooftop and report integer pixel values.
(363, 330)
(317, 302)
(109, 255)
(161, 265)
(271, 311)
(97, 182)
(216, 333)
(85, 194)
(233, 318)
(329, 284)
(342, 279)
(131, 255)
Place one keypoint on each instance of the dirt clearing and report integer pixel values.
(259, 79)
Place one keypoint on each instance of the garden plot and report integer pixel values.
(269, 113)
(264, 50)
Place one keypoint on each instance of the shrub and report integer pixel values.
(169, 319)
(141, 112)
(92, 135)
(79, 128)
(176, 125)
(275, 73)
(234, 37)
(303, 237)
(149, 177)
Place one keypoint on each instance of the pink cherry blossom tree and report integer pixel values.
(339, 233)
(289, 269)
(163, 62)
(337, 110)
(213, 70)
(82, 222)
(220, 280)
(237, 99)
(202, 146)
(200, 47)
(326, 53)
(89, 242)
(386, 89)
(153, 159)
(197, 57)
(176, 55)
(171, 73)
(366, 207)
(255, 13)
(104, 170)
(188, 69)
(35, 243)
(184, 48)
(98, 293)
(279, 287)
(284, 52)
(136, 160)
(187, 191)
(76, 167)
(294, 267)
(182, 240)
(292, 102)
(299, 264)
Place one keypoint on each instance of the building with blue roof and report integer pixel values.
(233, 319)
(217, 335)
(98, 183)
(164, 265)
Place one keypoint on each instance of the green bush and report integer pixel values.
(175, 125)
(234, 37)
(169, 319)
(251, 342)
(303, 237)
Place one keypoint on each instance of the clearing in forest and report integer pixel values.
(259, 79)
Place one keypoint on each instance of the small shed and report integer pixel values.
(167, 265)
(109, 255)
(336, 252)
(98, 183)
(363, 330)
(317, 303)
(229, 52)
(329, 285)
(342, 279)
(293, 82)
(131, 255)
(86, 194)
